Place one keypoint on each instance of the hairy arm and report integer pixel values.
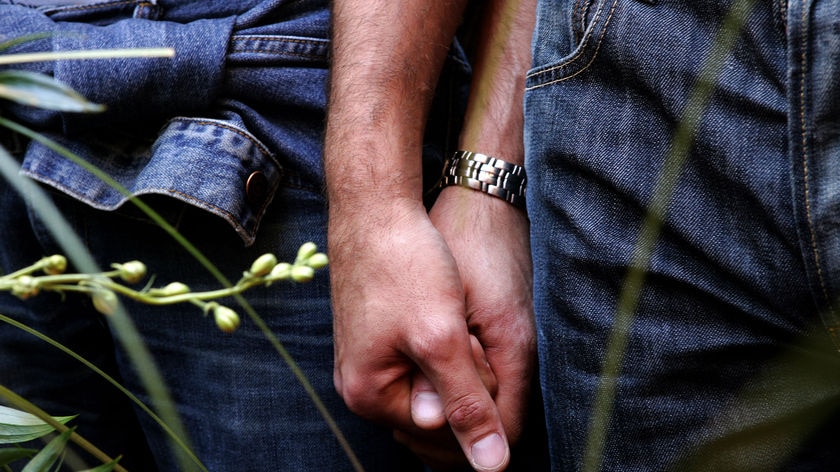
(400, 306)
(488, 237)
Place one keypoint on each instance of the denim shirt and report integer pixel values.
(236, 113)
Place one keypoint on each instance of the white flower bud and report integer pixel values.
(226, 319)
(132, 272)
(318, 260)
(263, 265)
(306, 251)
(302, 273)
(105, 301)
(281, 271)
(172, 289)
(55, 264)
(26, 286)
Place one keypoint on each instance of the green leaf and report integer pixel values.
(23, 39)
(12, 454)
(43, 91)
(48, 456)
(17, 426)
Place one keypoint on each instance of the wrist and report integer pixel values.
(486, 174)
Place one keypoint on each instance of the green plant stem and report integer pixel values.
(25, 271)
(23, 404)
(651, 227)
(6, 59)
(120, 321)
(80, 282)
(110, 380)
(212, 269)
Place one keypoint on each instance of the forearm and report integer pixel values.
(489, 237)
(386, 60)
(494, 120)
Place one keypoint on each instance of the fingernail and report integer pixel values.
(490, 452)
(427, 407)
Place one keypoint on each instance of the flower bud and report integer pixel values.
(170, 290)
(318, 260)
(132, 272)
(226, 319)
(302, 273)
(263, 265)
(105, 301)
(281, 271)
(306, 251)
(55, 264)
(26, 286)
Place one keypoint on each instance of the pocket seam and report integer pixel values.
(581, 51)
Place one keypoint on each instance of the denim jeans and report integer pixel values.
(730, 360)
(224, 139)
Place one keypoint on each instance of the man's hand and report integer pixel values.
(399, 312)
(489, 241)
(403, 309)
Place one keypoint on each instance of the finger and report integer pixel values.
(426, 405)
(483, 367)
(469, 408)
(513, 365)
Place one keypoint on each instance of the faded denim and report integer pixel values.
(225, 141)
(730, 363)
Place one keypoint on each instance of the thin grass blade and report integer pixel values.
(49, 455)
(13, 454)
(43, 91)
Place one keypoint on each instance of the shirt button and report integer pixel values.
(256, 188)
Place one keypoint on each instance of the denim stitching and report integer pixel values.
(579, 23)
(97, 6)
(581, 51)
(228, 127)
(803, 63)
(242, 43)
(149, 191)
(287, 179)
(577, 13)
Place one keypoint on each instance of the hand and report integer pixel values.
(489, 239)
(400, 309)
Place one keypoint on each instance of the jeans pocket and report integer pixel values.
(587, 22)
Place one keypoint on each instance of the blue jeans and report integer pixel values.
(225, 140)
(241, 404)
(730, 358)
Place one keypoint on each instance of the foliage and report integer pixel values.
(48, 274)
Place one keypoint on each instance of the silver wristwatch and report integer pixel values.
(486, 174)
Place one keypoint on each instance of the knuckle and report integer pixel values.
(357, 395)
(437, 340)
(468, 412)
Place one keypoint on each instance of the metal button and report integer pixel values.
(256, 188)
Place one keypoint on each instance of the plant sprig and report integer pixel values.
(49, 274)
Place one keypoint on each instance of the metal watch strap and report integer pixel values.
(487, 174)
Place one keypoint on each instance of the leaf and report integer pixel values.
(17, 426)
(11, 454)
(49, 454)
(23, 39)
(43, 91)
